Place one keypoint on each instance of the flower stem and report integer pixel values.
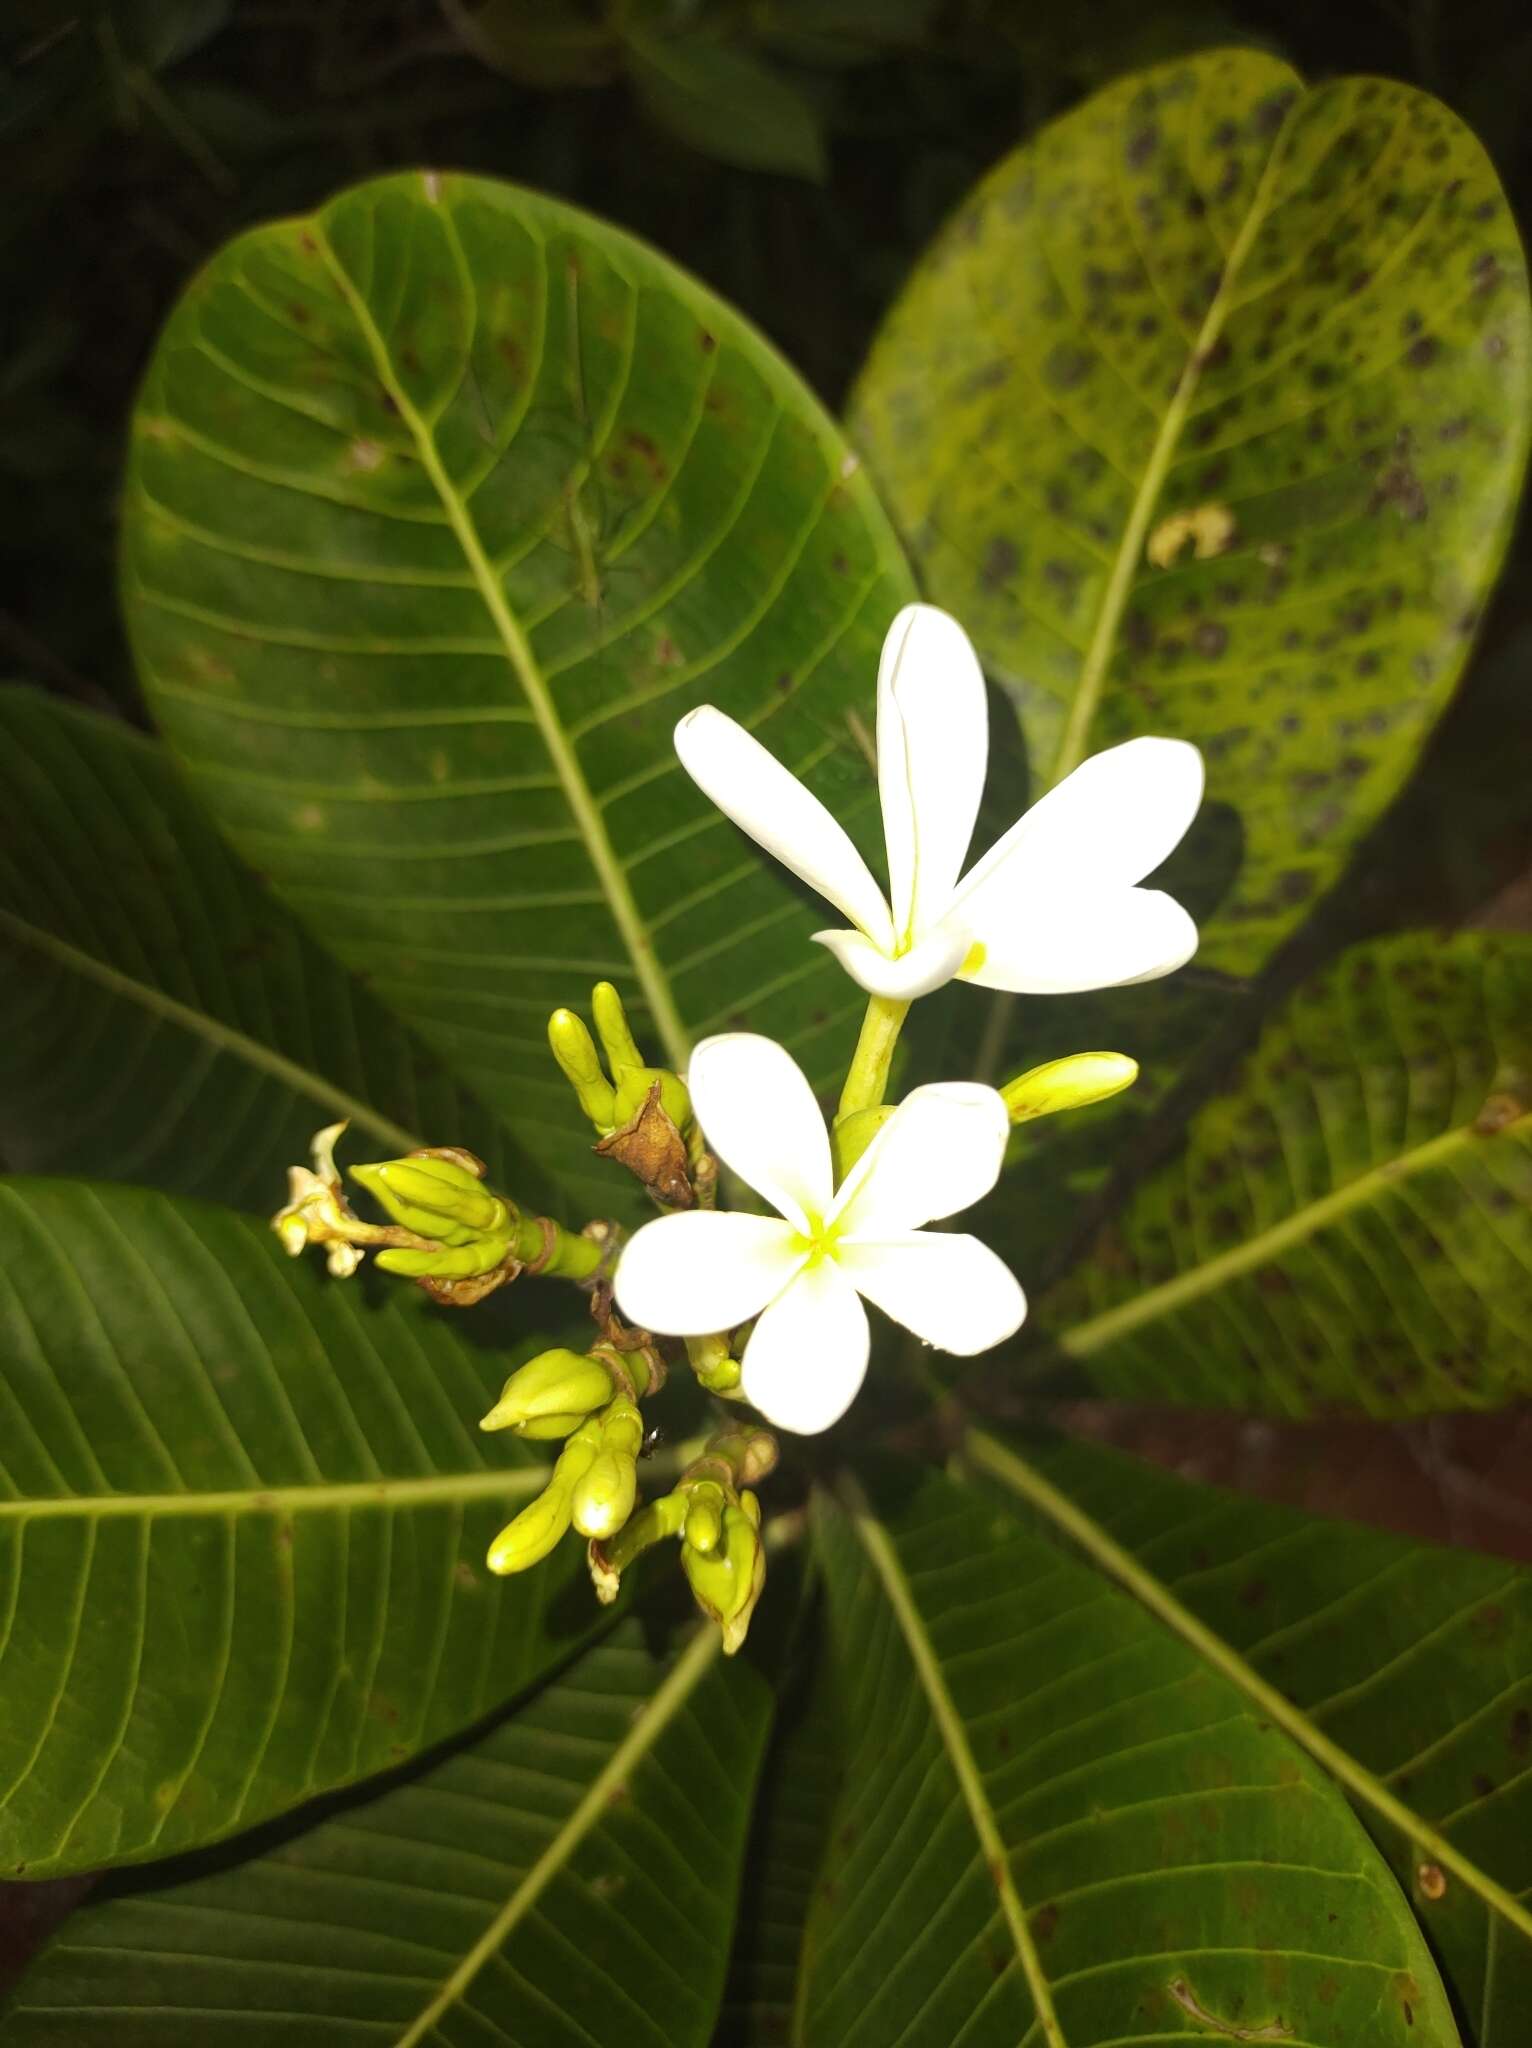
(867, 1080)
(569, 1256)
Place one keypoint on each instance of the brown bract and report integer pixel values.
(653, 1151)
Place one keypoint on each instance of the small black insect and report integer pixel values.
(653, 1438)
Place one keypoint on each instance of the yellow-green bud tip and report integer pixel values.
(1070, 1083)
(434, 1197)
(558, 1382)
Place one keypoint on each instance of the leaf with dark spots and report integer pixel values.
(1336, 296)
(1345, 1155)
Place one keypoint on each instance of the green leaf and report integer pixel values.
(727, 103)
(1208, 286)
(568, 1881)
(1349, 1225)
(444, 505)
(1212, 287)
(171, 1023)
(1418, 1661)
(794, 1802)
(543, 43)
(1058, 1825)
(243, 1519)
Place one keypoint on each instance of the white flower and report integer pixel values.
(802, 1271)
(1051, 908)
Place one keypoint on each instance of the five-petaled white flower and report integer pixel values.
(801, 1272)
(1053, 906)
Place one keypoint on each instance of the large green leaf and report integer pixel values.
(243, 1517)
(168, 1021)
(1418, 1661)
(1058, 1825)
(1350, 1223)
(567, 1882)
(443, 505)
(794, 1804)
(1209, 286)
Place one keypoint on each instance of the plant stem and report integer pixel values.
(867, 1080)
(570, 1257)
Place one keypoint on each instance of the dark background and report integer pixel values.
(797, 155)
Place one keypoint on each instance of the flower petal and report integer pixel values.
(1057, 945)
(766, 800)
(933, 748)
(1108, 825)
(807, 1355)
(939, 1152)
(707, 1270)
(929, 963)
(952, 1291)
(759, 1115)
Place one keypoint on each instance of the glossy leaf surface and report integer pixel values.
(567, 1880)
(1297, 318)
(444, 505)
(243, 1516)
(1418, 1660)
(168, 1021)
(1350, 1223)
(1058, 1825)
(1210, 290)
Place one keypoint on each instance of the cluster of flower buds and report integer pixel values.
(642, 1115)
(454, 1236)
(591, 1401)
(317, 1213)
(717, 1518)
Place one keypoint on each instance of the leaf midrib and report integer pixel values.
(224, 1036)
(1022, 1479)
(279, 1500)
(1083, 1340)
(1075, 738)
(885, 1563)
(599, 849)
(653, 1719)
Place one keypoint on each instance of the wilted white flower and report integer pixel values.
(803, 1272)
(1053, 907)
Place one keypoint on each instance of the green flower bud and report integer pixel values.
(548, 1429)
(727, 1583)
(437, 1198)
(622, 1428)
(605, 1496)
(535, 1532)
(616, 1034)
(1068, 1084)
(633, 1089)
(457, 1264)
(553, 1385)
(705, 1505)
(575, 1050)
(756, 1457)
(747, 1557)
(849, 1139)
(651, 1525)
(722, 1378)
